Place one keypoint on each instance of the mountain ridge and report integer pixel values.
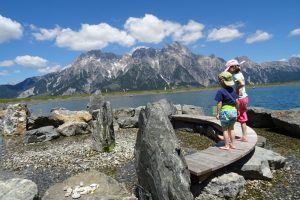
(172, 66)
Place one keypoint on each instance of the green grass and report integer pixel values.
(135, 92)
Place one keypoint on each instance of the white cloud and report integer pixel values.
(45, 34)
(189, 33)
(295, 32)
(3, 73)
(31, 61)
(224, 34)
(258, 36)
(151, 29)
(9, 29)
(92, 37)
(6, 63)
(49, 69)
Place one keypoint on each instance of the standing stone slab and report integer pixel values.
(160, 166)
(15, 119)
(103, 134)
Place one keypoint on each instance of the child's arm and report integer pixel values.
(219, 106)
(237, 105)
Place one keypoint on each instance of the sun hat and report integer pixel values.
(227, 78)
(232, 62)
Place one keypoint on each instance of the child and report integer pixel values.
(227, 108)
(233, 66)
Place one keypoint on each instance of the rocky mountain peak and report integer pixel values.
(176, 48)
(144, 52)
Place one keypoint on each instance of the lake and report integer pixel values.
(276, 98)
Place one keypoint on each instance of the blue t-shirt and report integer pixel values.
(223, 95)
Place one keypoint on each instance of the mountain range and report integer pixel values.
(173, 66)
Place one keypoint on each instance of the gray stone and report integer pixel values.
(103, 134)
(259, 117)
(15, 119)
(287, 121)
(167, 107)
(42, 134)
(35, 122)
(96, 101)
(160, 165)
(261, 141)
(74, 128)
(260, 164)
(18, 189)
(108, 188)
(124, 112)
(227, 186)
(128, 122)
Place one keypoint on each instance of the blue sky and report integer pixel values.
(42, 36)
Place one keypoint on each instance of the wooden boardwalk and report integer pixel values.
(211, 159)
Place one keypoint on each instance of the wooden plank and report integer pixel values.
(203, 160)
(197, 169)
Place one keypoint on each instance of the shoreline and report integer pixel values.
(38, 99)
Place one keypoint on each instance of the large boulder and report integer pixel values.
(260, 164)
(227, 186)
(74, 128)
(160, 165)
(287, 121)
(259, 117)
(96, 102)
(42, 134)
(103, 134)
(70, 116)
(108, 188)
(15, 119)
(35, 122)
(18, 189)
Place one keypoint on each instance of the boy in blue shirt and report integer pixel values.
(227, 108)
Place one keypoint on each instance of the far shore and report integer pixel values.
(37, 99)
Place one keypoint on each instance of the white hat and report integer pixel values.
(232, 62)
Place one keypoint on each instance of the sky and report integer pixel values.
(43, 36)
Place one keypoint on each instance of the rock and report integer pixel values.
(192, 110)
(18, 189)
(287, 121)
(35, 122)
(260, 164)
(259, 117)
(124, 112)
(108, 188)
(128, 122)
(178, 109)
(96, 102)
(73, 116)
(161, 168)
(103, 134)
(15, 119)
(167, 107)
(227, 186)
(261, 141)
(74, 128)
(42, 134)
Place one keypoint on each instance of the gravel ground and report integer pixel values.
(52, 162)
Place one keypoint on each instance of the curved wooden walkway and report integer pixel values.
(211, 159)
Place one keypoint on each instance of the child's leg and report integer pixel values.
(232, 138)
(226, 140)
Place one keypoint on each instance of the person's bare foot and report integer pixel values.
(225, 148)
(221, 137)
(232, 146)
(243, 139)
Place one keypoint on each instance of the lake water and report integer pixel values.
(276, 98)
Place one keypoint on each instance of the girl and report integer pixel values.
(227, 107)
